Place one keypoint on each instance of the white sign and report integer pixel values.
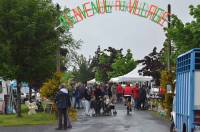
(169, 88)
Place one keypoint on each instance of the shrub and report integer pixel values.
(51, 87)
(24, 108)
(167, 78)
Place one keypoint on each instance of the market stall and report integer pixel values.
(134, 76)
(93, 81)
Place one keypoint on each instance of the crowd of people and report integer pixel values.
(87, 97)
(94, 98)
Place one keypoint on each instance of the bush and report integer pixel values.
(72, 114)
(167, 78)
(51, 87)
(24, 109)
(168, 103)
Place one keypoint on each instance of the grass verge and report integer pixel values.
(37, 119)
(32, 120)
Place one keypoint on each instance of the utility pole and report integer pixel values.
(58, 60)
(169, 41)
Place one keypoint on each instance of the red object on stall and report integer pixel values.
(162, 91)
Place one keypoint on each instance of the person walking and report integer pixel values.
(136, 96)
(98, 93)
(114, 93)
(62, 101)
(87, 98)
(77, 98)
(119, 93)
(98, 96)
(142, 96)
(109, 91)
(128, 93)
(82, 92)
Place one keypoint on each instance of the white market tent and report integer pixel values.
(93, 81)
(134, 76)
(115, 79)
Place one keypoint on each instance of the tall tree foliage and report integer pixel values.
(28, 41)
(122, 64)
(152, 65)
(69, 55)
(27, 30)
(103, 68)
(185, 36)
(111, 63)
(83, 72)
(102, 62)
(165, 54)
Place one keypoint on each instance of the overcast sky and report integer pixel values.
(122, 30)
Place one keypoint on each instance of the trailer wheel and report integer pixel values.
(172, 127)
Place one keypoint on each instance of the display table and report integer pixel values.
(48, 106)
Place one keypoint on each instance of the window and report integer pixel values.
(197, 61)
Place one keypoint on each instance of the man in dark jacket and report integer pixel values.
(136, 96)
(98, 102)
(98, 93)
(62, 100)
(77, 98)
(142, 95)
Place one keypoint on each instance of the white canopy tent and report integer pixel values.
(134, 76)
(115, 79)
(91, 81)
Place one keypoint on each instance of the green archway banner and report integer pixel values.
(91, 8)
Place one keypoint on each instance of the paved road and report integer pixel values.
(139, 121)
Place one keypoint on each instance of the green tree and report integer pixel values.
(185, 36)
(28, 41)
(83, 72)
(122, 64)
(103, 63)
(130, 63)
(69, 55)
(111, 63)
(27, 31)
(118, 67)
(103, 68)
(152, 65)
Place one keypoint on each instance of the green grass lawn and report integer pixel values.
(37, 119)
